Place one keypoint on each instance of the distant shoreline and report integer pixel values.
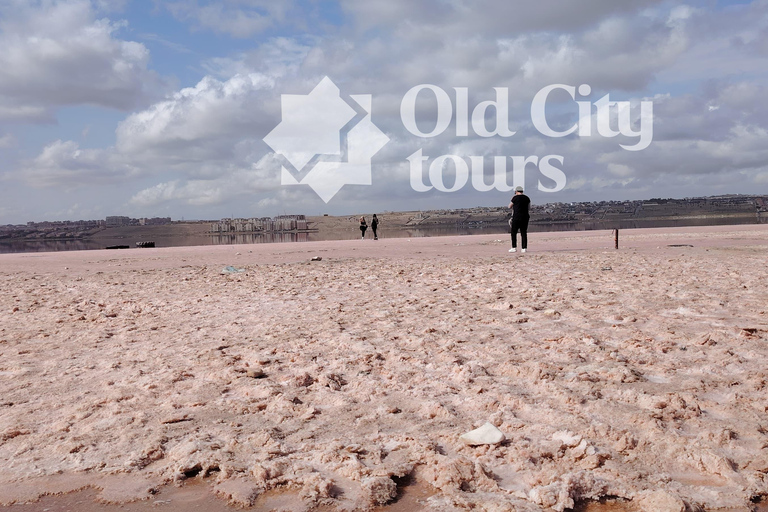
(393, 225)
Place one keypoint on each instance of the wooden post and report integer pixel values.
(616, 238)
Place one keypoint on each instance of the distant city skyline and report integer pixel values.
(762, 201)
(160, 109)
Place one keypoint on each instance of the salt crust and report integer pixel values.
(340, 378)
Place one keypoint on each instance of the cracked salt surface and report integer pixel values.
(308, 377)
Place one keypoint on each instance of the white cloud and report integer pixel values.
(8, 141)
(177, 47)
(462, 17)
(64, 164)
(208, 122)
(58, 53)
(744, 149)
(680, 12)
(405, 52)
(110, 5)
(238, 18)
(207, 136)
(277, 57)
(258, 178)
(268, 202)
(620, 170)
(77, 211)
(197, 192)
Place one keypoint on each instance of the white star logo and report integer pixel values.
(312, 137)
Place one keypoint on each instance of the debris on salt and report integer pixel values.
(255, 373)
(569, 439)
(379, 490)
(487, 434)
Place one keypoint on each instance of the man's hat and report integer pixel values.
(518, 189)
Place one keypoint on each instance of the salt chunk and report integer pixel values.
(487, 434)
(379, 490)
(661, 501)
(255, 373)
(569, 439)
(580, 450)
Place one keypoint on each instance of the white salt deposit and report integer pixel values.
(340, 379)
(486, 434)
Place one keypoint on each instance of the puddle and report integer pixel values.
(191, 497)
(196, 496)
(606, 506)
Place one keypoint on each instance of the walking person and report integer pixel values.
(363, 227)
(520, 205)
(374, 225)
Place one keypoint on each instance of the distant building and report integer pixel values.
(261, 225)
(116, 221)
(154, 221)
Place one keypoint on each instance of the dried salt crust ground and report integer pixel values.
(637, 373)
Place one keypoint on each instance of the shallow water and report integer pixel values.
(197, 496)
(16, 245)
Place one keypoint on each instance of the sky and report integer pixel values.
(147, 108)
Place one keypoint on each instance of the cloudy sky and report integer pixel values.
(160, 108)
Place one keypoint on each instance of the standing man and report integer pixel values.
(520, 204)
(374, 226)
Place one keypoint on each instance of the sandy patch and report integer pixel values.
(637, 373)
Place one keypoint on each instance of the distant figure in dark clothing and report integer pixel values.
(363, 227)
(374, 225)
(520, 204)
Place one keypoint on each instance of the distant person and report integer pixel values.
(520, 205)
(374, 225)
(363, 227)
